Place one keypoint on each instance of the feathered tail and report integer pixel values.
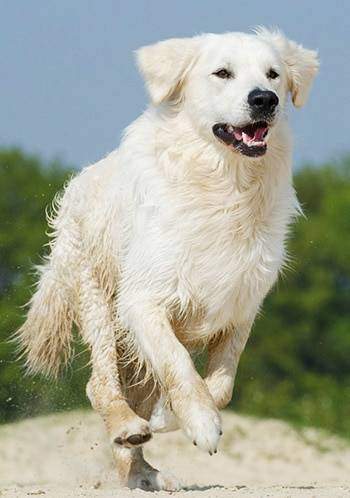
(45, 337)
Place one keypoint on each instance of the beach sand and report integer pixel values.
(67, 455)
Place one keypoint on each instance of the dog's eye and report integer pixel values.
(272, 75)
(223, 74)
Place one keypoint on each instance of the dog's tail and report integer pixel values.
(45, 338)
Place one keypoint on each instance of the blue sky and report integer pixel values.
(69, 84)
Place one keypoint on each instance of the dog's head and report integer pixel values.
(233, 87)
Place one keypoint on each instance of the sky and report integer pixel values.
(69, 85)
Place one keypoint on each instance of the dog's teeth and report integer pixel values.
(230, 128)
(246, 138)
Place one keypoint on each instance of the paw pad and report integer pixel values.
(133, 440)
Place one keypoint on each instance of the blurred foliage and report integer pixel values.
(297, 362)
(27, 186)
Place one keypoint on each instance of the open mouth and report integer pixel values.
(248, 140)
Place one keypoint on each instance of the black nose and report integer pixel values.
(262, 101)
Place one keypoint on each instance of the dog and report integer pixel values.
(170, 243)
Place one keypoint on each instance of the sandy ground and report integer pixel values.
(66, 455)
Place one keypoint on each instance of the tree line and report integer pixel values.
(297, 362)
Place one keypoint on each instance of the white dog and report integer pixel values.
(171, 242)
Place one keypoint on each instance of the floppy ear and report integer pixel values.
(302, 64)
(164, 66)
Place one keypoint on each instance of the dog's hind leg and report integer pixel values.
(111, 399)
(126, 430)
(135, 472)
(133, 469)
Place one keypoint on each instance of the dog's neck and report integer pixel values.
(210, 174)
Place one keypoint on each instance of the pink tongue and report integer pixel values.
(259, 134)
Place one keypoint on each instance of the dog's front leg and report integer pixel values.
(223, 357)
(173, 367)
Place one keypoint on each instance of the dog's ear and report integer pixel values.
(302, 64)
(164, 66)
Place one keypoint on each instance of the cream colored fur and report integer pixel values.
(171, 243)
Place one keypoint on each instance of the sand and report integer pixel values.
(67, 455)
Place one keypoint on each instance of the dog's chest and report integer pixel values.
(226, 269)
(213, 258)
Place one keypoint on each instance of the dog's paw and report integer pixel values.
(167, 482)
(162, 418)
(203, 427)
(149, 479)
(133, 432)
